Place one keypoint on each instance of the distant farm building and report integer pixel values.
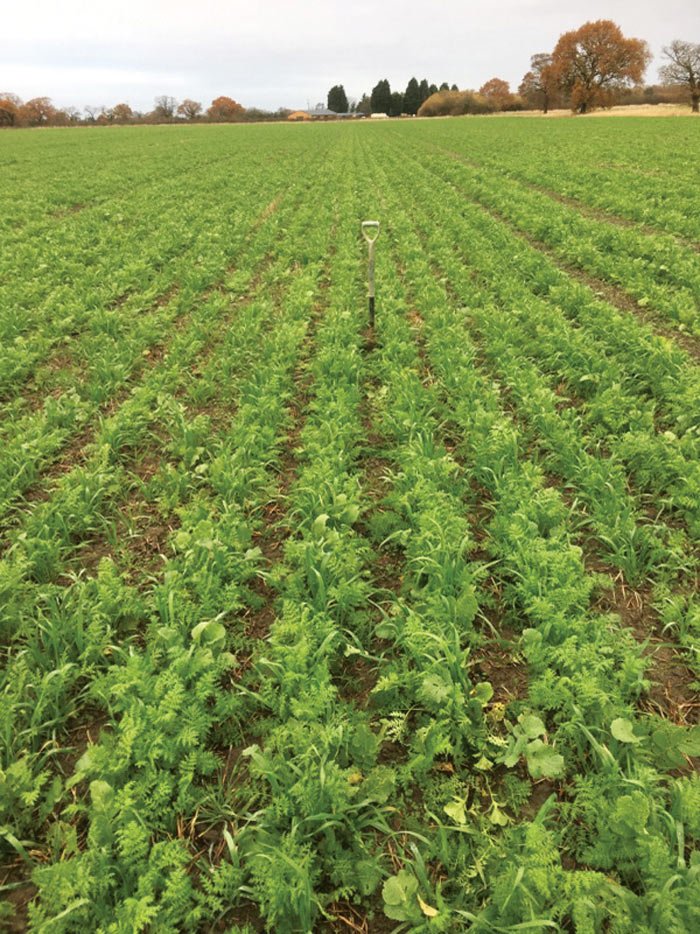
(319, 112)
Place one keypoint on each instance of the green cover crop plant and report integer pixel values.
(312, 627)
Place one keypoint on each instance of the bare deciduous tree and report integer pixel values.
(93, 112)
(165, 107)
(189, 109)
(538, 86)
(683, 68)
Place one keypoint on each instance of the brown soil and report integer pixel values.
(271, 209)
(670, 693)
(508, 677)
(275, 530)
(150, 532)
(605, 216)
(359, 680)
(79, 738)
(541, 790)
(349, 919)
(152, 355)
(17, 874)
(619, 110)
(60, 213)
(623, 302)
(77, 451)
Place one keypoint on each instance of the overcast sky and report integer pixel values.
(274, 53)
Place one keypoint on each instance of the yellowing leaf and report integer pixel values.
(427, 910)
(444, 767)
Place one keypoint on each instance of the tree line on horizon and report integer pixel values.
(39, 111)
(592, 66)
(384, 100)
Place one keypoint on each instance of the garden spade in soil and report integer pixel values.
(370, 231)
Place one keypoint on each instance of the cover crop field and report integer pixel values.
(309, 629)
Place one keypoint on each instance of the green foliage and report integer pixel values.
(337, 99)
(380, 98)
(542, 761)
(300, 621)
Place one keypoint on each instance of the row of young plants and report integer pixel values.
(336, 808)
(65, 633)
(608, 431)
(50, 178)
(48, 593)
(311, 799)
(654, 269)
(446, 729)
(112, 263)
(618, 815)
(34, 440)
(116, 863)
(639, 169)
(639, 392)
(355, 762)
(58, 180)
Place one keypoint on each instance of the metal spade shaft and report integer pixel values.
(367, 226)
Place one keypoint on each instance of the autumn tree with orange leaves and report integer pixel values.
(39, 111)
(497, 93)
(122, 113)
(9, 109)
(593, 62)
(225, 110)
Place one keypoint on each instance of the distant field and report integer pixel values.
(622, 110)
(308, 628)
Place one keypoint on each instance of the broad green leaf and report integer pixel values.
(351, 514)
(456, 810)
(622, 730)
(101, 794)
(210, 633)
(434, 690)
(531, 725)
(483, 692)
(690, 741)
(498, 817)
(512, 756)
(379, 784)
(542, 761)
(399, 893)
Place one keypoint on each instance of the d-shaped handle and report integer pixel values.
(367, 226)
